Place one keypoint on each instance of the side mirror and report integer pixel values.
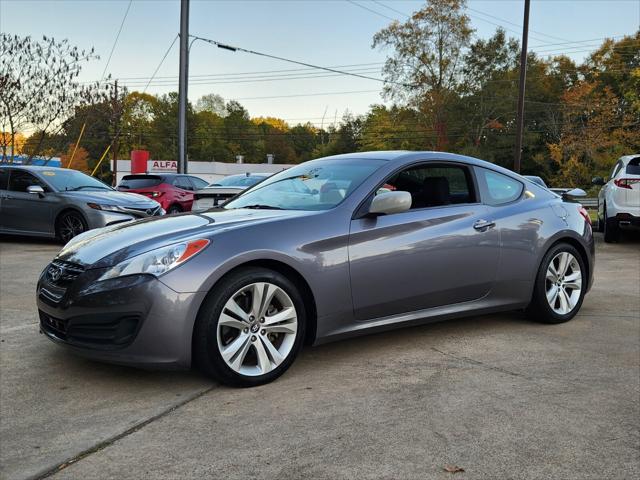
(35, 190)
(598, 181)
(574, 193)
(390, 202)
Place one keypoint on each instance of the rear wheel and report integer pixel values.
(174, 209)
(250, 329)
(68, 225)
(610, 228)
(560, 286)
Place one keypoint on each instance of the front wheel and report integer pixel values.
(173, 209)
(250, 328)
(560, 286)
(69, 225)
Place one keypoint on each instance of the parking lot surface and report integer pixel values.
(498, 396)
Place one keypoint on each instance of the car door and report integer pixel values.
(4, 191)
(185, 192)
(442, 251)
(28, 212)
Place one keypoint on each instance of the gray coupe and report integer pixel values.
(331, 248)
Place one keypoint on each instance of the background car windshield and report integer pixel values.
(139, 181)
(238, 181)
(312, 186)
(72, 180)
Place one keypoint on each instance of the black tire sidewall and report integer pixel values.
(174, 209)
(206, 353)
(540, 310)
(610, 228)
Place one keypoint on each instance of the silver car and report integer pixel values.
(62, 203)
(331, 248)
(216, 194)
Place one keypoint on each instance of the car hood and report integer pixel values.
(112, 197)
(107, 246)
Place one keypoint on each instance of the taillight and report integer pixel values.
(585, 215)
(626, 182)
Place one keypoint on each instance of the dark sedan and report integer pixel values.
(328, 249)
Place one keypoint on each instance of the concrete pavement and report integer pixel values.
(496, 395)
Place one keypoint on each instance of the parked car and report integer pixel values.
(62, 203)
(619, 197)
(402, 238)
(537, 180)
(174, 192)
(217, 193)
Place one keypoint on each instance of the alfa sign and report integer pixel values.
(162, 166)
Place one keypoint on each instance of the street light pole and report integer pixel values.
(182, 88)
(523, 77)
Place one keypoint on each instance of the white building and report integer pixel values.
(209, 171)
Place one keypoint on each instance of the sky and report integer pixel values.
(327, 33)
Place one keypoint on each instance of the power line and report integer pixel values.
(115, 42)
(161, 62)
(305, 64)
(372, 11)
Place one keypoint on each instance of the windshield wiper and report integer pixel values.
(85, 186)
(259, 206)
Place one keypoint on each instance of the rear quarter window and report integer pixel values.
(498, 189)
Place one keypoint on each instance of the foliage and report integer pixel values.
(39, 87)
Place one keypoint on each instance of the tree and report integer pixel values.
(39, 87)
(426, 63)
(213, 103)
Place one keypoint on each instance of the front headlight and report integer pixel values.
(158, 261)
(108, 208)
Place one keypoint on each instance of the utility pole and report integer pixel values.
(116, 125)
(523, 78)
(182, 88)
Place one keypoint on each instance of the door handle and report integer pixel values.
(483, 225)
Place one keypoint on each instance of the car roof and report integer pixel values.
(35, 168)
(407, 156)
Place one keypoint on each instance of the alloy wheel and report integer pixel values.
(563, 283)
(257, 329)
(70, 226)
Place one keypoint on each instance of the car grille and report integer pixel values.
(58, 276)
(142, 212)
(107, 331)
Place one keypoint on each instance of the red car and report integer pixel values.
(171, 190)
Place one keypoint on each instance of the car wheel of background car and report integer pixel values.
(250, 328)
(610, 228)
(174, 209)
(560, 286)
(600, 222)
(68, 225)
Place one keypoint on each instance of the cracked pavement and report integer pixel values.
(496, 395)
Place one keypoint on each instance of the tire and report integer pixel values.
(540, 309)
(610, 228)
(600, 224)
(240, 351)
(174, 209)
(68, 225)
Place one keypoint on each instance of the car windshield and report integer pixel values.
(67, 180)
(238, 181)
(311, 186)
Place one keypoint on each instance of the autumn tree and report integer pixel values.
(425, 66)
(39, 87)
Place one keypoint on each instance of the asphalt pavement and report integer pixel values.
(497, 396)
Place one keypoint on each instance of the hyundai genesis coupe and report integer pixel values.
(331, 248)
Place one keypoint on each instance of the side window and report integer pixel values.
(198, 183)
(4, 178)
(616, 169)
(434, 185)
(19, 180)
(183, 183)
(498, 188)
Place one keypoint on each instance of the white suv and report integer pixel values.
(619, 198)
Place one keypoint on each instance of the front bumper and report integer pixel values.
(134, 320)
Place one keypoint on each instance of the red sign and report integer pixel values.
(164, 165)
